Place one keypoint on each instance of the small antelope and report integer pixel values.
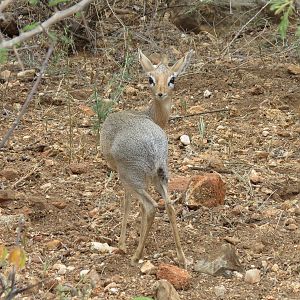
(135, 145)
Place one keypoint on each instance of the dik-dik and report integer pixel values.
(135, 145)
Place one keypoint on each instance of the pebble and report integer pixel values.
(252, 276)
(275, 268)
(265, 133)
(255, 177)
(101, 247)
(84, 272)
(148, 268)
(220, 291)
(185, 140)
(54, 244)
(207, 94)
(292, 227)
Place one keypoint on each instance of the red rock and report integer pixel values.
(59, 204)
(9, 173)
(78, 168)
(205, 190)
(178, 184)
(7, 195)
(180, 278)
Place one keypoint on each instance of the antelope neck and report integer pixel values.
(160, 112)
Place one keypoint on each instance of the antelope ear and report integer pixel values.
(145, 62)
(180, 66)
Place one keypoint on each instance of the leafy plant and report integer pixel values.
(30, 26)
(3, 55)
(286, 8)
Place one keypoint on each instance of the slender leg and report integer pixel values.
(148, 213)
(125, 211)
(172, 217)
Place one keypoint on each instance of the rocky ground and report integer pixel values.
(52, 172)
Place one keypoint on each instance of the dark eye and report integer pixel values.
(172, 81)
(151, 81)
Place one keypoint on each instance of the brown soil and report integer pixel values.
(260, 131)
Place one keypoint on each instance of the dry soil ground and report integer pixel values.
(260, 132)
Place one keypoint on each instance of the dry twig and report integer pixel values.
(29, 98)
(58, 16)
(200, 113)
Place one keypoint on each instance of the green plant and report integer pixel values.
(285, 8)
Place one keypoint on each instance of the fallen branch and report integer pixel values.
(200, 113)
(3, 4)
(58, 16)
(29, 97)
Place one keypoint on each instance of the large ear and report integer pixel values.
(182, 63)
(145, 62)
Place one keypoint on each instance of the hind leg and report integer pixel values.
(162, 189)
(125, 213)
(148, 214)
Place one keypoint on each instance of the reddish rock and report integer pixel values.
(78, 168)
(59, 204)
(178, 184)
(178, 277)
(205, 190)
(9, 173)
(7, 195)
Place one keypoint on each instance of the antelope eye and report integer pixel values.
(172, 81)
(151, 81)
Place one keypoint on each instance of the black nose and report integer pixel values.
(159, 94)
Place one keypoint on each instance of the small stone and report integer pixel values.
(220, 291)
(26, 75)
(261, 154)
(101, 247)
(265, 133)
(252, 276)
(4, 75)
(110, 286)
(207, 190)
(54, 244)
(94, 212)
(292, 227)
(59, 204)
(46, 186)
(232, 240)
(207, 94)
(180, 278)
(275, 268)
(238, 275)
(62, 270)
(164, 290)
(293, 69)
(84, 272)
(185, 140)
(78, 168)
(129, 90)
(237, 210)
(255, 177)
(148, 268)
(7, 195)
(9, 173)
(94, 276)
(290, 221)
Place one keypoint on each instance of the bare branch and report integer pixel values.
(200, 113)
(58, 16)
(26, 103)
(3, 4)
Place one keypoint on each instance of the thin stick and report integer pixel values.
(29, 98)
(243, 27)
(201, 113)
